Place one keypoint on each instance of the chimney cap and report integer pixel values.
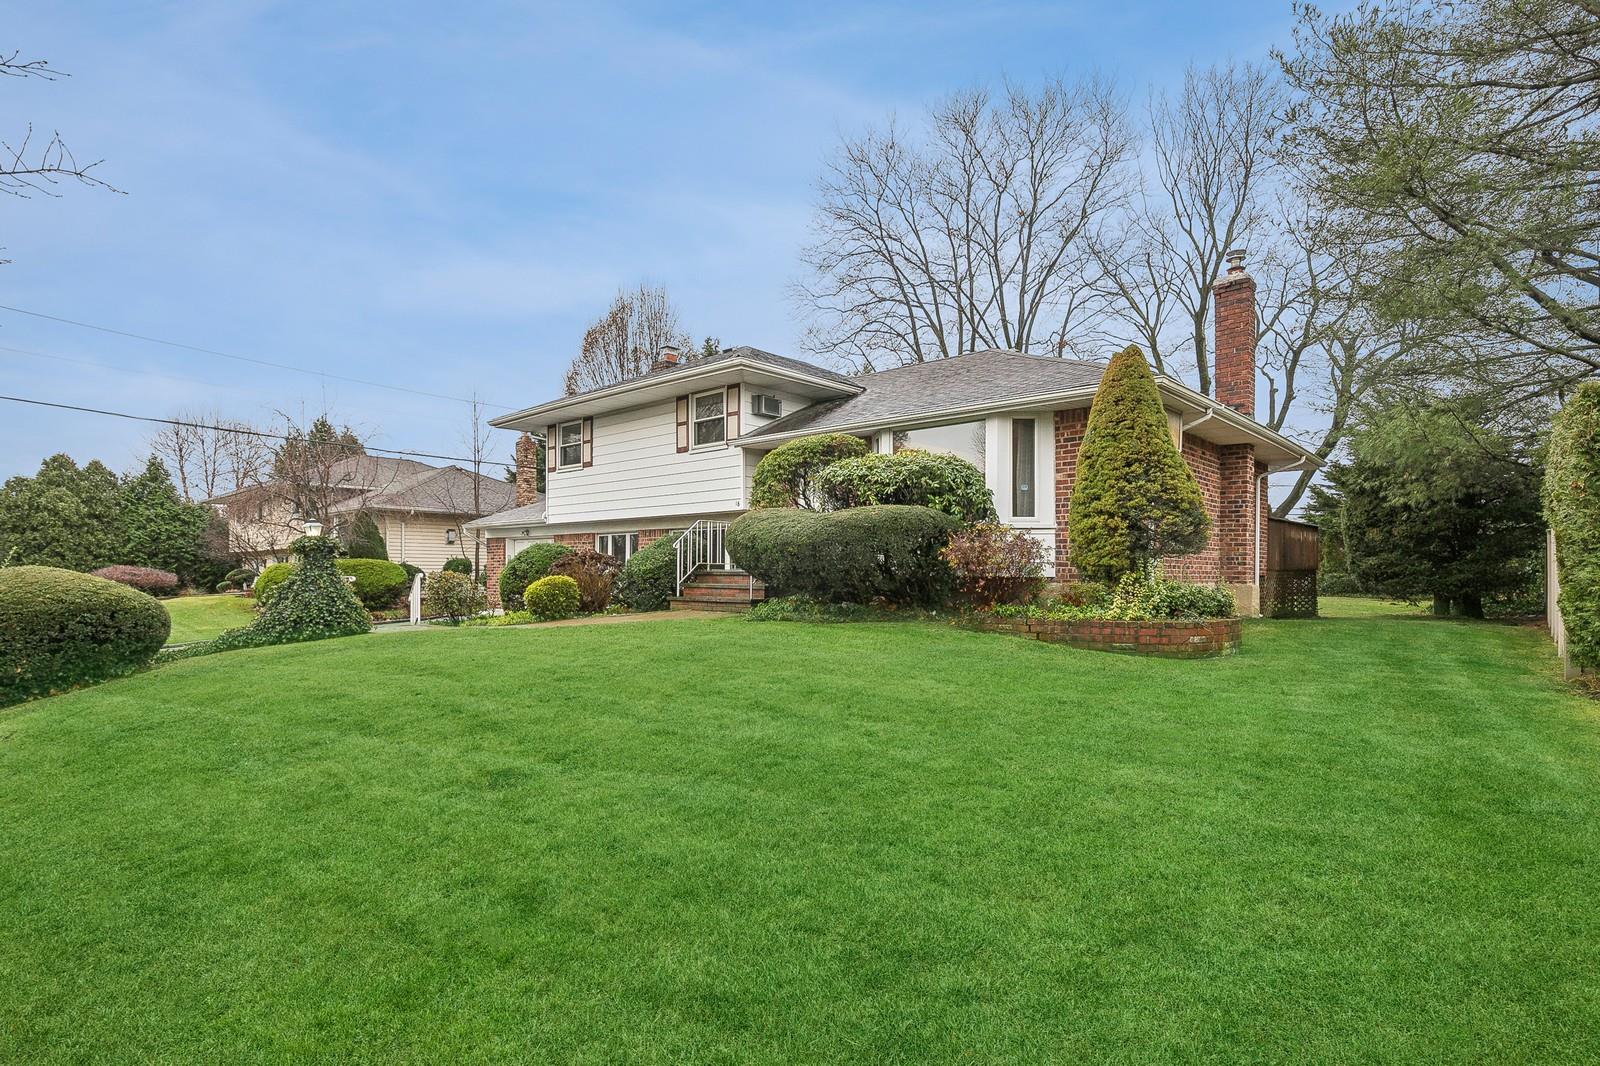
(668, 353)
(1235, 258)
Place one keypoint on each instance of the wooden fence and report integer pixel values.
(1289, 587)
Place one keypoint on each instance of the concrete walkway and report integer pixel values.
(587, 620)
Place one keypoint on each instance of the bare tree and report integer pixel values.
(1213, 149)
(210, 455)
(971, 236)
(624, 342)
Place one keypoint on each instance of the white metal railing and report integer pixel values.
(703, 545)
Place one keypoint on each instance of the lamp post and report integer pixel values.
(313, 528)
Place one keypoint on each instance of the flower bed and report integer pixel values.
(1168, 638)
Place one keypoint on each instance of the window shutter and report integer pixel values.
(730, 412)
(552, 448)
(683, 423)
(588, 442)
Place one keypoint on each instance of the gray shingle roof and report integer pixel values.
(530, 514)
(436, 490)
(990, 376)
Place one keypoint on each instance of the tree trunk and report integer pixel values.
(1470, 605)
(1441, 604)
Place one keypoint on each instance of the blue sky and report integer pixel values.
(440, 196)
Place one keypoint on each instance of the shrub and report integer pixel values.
(595, 574)
(552, 598)
(994, 563)
(854, 556)
(458, 565)
(1081, 594)
(912, 477)
(526, 567)
(786, 476)
(448, 594)
(312, 602)
(1138, 597)
(1134, 499)
(271, 577)
(224, 586)
(379, 583)
(144, 578)
(364, 540)
(241, 577)
(1572, 507)
(650, 576)
(60, 629)
(411, 571)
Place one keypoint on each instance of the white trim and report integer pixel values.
(561, 445)
(721, 416)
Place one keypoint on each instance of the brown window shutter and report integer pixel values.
(730, 412)
(683, 423)
(588, 442)
(552, 448)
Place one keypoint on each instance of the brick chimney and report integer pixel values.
(667, 356)
(1234, 337)
(527, 470)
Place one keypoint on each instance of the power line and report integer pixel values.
(245, 358)
(243, 431)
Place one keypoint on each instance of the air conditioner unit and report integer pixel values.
(763, 404)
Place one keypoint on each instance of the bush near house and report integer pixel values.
(787, 475)
(1572, 507)
(649, 578)
(270, 578)
(1134, 499)
(144, 578)
(994, 563)
(452, 596)
(312, 602)
(552, 598)
(526, 567)
(242, 577)
(378, 582)
(365, 541)
(912, 477)
(60, 629)
(595, 574)
(458, 565)
(859, 555)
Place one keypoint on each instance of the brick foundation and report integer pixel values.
(1171, 640)
(496, 559)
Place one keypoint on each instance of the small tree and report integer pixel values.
(1572, 507)
(1134, 499)
(365, 541)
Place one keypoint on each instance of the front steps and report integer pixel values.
(719, 590)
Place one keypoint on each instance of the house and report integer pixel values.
(628, 463)
(421, 511)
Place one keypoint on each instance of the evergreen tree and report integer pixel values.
(62, 516)
(364, 541)
(1430, 504)
(1134, 499)
(159, 529)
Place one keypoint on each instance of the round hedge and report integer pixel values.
(551, 598)
(787, 475)
(458, 565)
(650, 576)
(271, 577)
(864, 554)
(526, 567)
(379, 583)
(60, 629)
(913, 477)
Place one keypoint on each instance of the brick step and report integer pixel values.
(716, 592)
(721, 578)
(681, 603)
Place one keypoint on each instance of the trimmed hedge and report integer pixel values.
(860, 555)
(650, 576)
(552, 598)
(1572, 507)
(379, 583)
(458, 565)
(526, 567)
(786, 476)
(912, 477)
(269, 580)
(60, 629)
(144, 578)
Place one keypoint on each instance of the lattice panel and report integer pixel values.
(1290, 594)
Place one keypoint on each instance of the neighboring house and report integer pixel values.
(629, 463)
(420, 510)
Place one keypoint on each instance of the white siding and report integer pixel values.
(420, 539)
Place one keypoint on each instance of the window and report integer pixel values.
(709, 424)
(450, 535)
(617, 545)
(1022, 463)
(570, 452)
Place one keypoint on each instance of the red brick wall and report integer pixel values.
(1180, 640)
(1235, 340)
(494, 562)
(1224, 474)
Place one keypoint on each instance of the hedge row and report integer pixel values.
(859, 555)
(1572, 507)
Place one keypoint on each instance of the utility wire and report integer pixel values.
(240, 430)
(244, 358)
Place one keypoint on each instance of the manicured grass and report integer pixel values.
(204, 617)
(1362, 839)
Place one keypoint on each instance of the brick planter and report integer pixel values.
(1172, 640)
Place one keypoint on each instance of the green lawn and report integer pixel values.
(203, 617)
(1363, 839)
